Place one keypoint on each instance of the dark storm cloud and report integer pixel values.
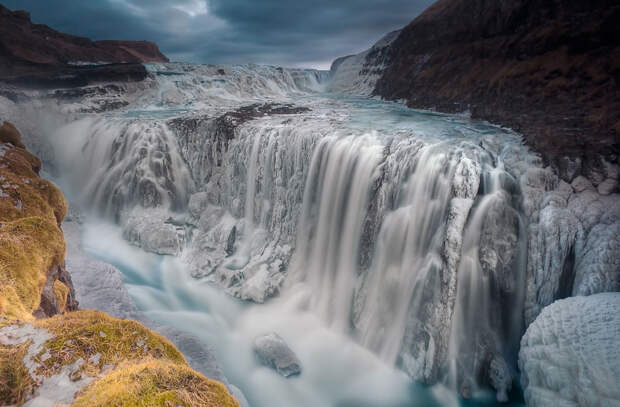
(286, 32)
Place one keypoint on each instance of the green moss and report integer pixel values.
(100, 340)
(155, 383)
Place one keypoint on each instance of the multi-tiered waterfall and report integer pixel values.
(409, 233)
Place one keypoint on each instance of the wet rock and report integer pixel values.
(230, 242)
(500, 377)
(273, 352)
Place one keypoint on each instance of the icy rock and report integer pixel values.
(500, 377)
(197, 203)
(581, 184)
(152, 232)
(608, 186)
(568, 168)
(498, 242)
(570, 355)
(598, 266)
(272, 351)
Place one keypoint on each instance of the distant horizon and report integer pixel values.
(279, 33)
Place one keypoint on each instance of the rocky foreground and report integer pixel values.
(51, 353)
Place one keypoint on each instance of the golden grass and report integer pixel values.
(61, 292)
(155, 383)
(84, 334)
(28, 249)
(31, 243)
(9, 134)
(11, 306)
(15, 381)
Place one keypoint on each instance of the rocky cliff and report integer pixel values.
(52, 354)
(358, 74)
(547, 68)
(33, 52)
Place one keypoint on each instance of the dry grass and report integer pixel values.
(84, 334)
(61, 292)
(15, 381)
(9, 134)
(155, 383)
(31, 243)
(28, 249)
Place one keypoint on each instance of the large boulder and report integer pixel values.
(570, 355)
(273, 352)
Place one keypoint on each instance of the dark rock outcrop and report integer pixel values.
(549, 69)
(37, 55)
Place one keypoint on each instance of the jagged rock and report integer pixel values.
(570, 354)
(272, 351)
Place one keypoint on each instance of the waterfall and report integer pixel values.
(407, 238)
(116, 164)
(408, 252)
(336, 196)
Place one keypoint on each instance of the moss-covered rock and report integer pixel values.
(101, 341)
(32, 246)
(155, 383)
(9, 134)
(29, 249)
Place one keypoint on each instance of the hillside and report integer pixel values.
(36, 54)
(549, 69)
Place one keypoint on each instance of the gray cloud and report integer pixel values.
(278, 32)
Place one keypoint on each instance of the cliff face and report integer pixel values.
(358, 74)
(547, 68)
(38, 55)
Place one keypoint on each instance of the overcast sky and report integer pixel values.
(278, 32)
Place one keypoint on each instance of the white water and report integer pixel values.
(336, 371)
(366, 217)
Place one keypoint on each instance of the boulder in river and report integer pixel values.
(272, 351)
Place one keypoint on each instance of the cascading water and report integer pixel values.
(336, 196)
(115, 164)
(398, 229)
